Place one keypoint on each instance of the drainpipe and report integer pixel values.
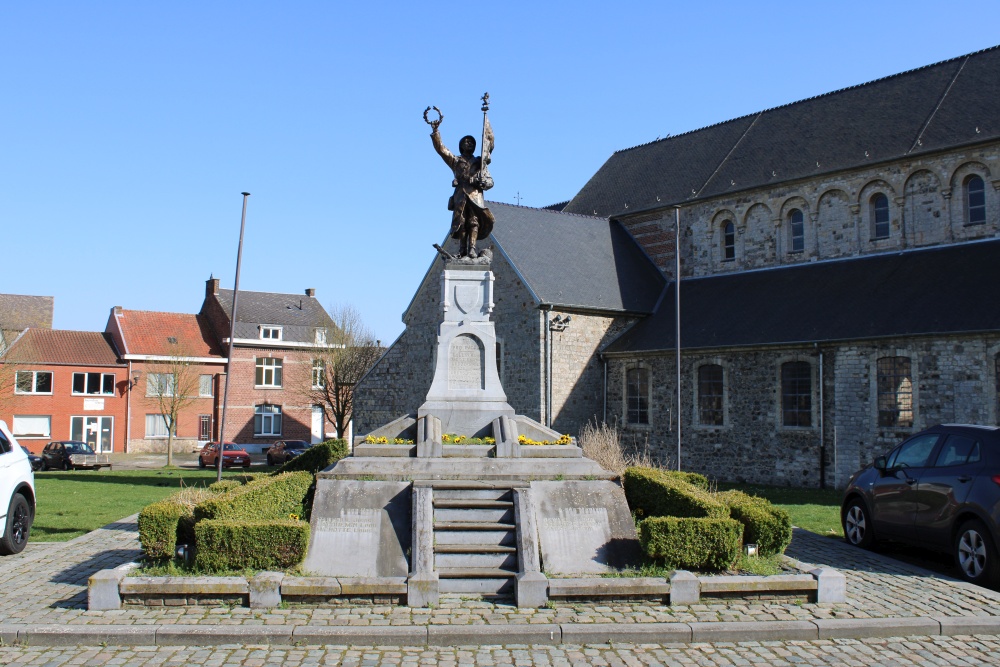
(128, 410)
(548, 369)
(822, 437)
(604, 393)
(677, 320)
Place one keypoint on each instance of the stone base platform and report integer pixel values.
(406, 469)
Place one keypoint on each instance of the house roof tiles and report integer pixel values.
(57, 346)
(167, 334)
(298, 315)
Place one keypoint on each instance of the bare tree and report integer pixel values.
(350, 351)
(174, 385)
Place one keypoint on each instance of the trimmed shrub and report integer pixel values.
(266, 498)
(712, 544)
(257, 545)
(693, 478)
(320, 456)
(158, 524)
(651, 492)
(224, 485)
(768, 526)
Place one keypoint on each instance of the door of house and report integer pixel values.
(97, 432)
(317, 424)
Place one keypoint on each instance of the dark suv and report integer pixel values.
(940, 489)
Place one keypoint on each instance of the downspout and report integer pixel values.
(548, 369)
(128, 410)
(604, 393)
(822, 438)
(677, 320)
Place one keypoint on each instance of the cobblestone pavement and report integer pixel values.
(891, 652)
(47, 584)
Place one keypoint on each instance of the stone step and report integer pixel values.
(471, 484)
(472, 503)
(486, 587)
(461, 538)
(474, 573)
(478, 494)
(474, 548)
(471, 525)
(505, 515)
(475, 561)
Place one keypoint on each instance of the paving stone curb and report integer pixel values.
(478, 635)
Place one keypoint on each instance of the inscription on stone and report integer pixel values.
(466, 364)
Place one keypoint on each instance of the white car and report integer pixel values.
(17, 494)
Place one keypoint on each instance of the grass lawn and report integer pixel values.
(70, 504)
(816, 510)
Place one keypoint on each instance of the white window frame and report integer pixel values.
(100, 423)
(154, 386)
(271, 332)
(267, 420)
(272, 366)
(203, 380)
(34, 383)
(320, 336)
(86, 383)
(318, 374)
(156, 435)
(29, 436)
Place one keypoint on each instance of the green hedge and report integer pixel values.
(765, 525)
(257, 545)
(158, 526)
(693, 478)
(225, 485)
(691, 543)
(266, 498)
(320, 456)
(652, 492)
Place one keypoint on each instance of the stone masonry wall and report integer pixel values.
(953, 379)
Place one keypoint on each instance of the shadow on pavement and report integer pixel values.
(78, 573)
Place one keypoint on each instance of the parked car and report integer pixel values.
(232, 455)
(939, 489)
(72, 455)
(17, 494)
(284, 451)
(35, 461)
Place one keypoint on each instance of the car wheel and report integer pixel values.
(201, 462)
(975, 554)
(45, 465)
(15, 534)
(270, 461)
(66, 466)
(858, 525)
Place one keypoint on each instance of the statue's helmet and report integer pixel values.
(467, 146)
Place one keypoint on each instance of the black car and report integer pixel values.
(36, 461)
(284, 451)
(66, 455)
(940, 489)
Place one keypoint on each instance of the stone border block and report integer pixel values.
(362, 635)
(744, 631)
(310, 587)
(857, 628)
(213, 635)
(757, 584)
(372, 585)
(685, 588)
(93, 635)
(466, 635)
(208, 586)
(532, 590)
(9, 633)
(599, 587)
(423, 590)
(265, 590)
(637, 633)
(969, 625)
(103, 589)
(831, 585)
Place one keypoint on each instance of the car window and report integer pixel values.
(958, 450)
(231, 448)
(4, 444)
(914, 452)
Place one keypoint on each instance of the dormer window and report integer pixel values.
(321, 336)
(270, 333)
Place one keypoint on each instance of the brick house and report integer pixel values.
(836, 294)
(65, 385)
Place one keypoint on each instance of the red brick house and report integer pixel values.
(65, 385)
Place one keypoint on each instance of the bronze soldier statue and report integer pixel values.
(471, 220)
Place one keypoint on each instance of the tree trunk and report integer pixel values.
(170, 447)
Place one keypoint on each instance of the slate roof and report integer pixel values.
(946, 104)
(57, 346)
(18, 312)
(167, 334)
(942, 290)
(576, 260)
(297, 314)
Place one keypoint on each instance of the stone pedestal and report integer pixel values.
(465, 392)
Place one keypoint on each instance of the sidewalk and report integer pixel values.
(43, 601)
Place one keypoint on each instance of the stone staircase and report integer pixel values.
(475, 538)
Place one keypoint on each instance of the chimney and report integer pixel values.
(117, 311)
(311, 291)
(212, 287)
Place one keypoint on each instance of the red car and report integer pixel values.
(232, 455)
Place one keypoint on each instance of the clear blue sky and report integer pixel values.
(129, 129)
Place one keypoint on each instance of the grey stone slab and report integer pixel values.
(401, 427)
(477, 586)
(969, 625)
(550, 451)
(384, 450)
(756, 584)
(632, 633)
(505, 434)
(464, 635)
(361, 635)
(213, 635)
(466, 451)
(372, 585)
(476, 560)
(531, 590)
(857, 628)
(75, 635)
(505, 515)
(418, 469)
(831, 585)
(423, 590)
(584, 527)
(685, 588)
(741, 631)
(9, 632)
(102, 590)
(609, 587)
(265, 590)
(429, 442)
(184, 586)
(360, 528)
(310, 586)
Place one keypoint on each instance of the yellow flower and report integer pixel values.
(294, 517)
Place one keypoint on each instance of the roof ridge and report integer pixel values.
(549, 210)
(158, 312)
(809, 99)
(301, 295)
